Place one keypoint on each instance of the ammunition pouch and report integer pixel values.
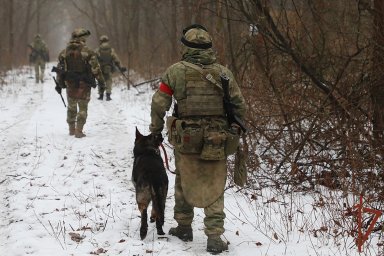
(214, 144)
(171, 128)
(189, 137)
(76, 77)
(192, 137)
(232, 141)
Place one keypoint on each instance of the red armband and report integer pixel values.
(165, 89)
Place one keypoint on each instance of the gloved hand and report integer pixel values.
(123, 69)
(157, 138)
(58, 89)
(101, 85)
(235, 128)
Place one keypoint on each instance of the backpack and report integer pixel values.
(39, 50)
(105, 56)
(74, 60)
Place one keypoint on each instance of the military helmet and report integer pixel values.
(37, 36)
(103, 39)
(80, 33)
(196, 36)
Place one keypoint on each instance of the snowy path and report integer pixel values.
(66, 196)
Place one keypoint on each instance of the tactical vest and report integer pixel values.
(75, 59)
(202, 96)
(39, 49)
(105, 56)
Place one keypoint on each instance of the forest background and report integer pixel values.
(312, 73)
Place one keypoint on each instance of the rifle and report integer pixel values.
(59, 71)
(57, 84)
(128, 80)
(73, 76)
(148, 81)
(229, 106)
(33, 54)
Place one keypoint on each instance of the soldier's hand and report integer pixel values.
(101, 85)
(123, 69)
(58, 89)
(157, 138)
(235, 128)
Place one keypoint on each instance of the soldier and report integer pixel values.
(109, 61)
(198, 131)
(39, 56)
(80, 68)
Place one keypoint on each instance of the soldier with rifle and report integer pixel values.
(109, 61)
(203, 132)
(39, 56)
(76, 71)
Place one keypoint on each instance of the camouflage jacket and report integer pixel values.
(173, 85)
(88, 55)
(39, 51)
(111, 59)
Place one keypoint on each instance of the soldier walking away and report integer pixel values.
(199, 132)
(39, 56)
(79, 68)
(109, 61)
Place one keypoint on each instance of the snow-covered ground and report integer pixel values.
(67, 196)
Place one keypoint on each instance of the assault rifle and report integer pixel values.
(59, 90)
(148, 81)
(229, 106)
(58, 71)
(124, 69)
(73, 76)
(35, 53)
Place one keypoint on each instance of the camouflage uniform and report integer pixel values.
(108, 60)
(199, 182)
(39, 56)
(78, 79)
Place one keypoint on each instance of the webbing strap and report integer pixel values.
(199, 69)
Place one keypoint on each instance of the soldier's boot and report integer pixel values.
(72, 129)
(101, 96)
(108, 96)
(79, 132)
(215, 245)
(184, 233)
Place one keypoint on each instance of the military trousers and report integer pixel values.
(39, 70)
(77, 111)
(183, 211)
(108, 83)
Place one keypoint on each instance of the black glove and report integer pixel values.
(101, 85)
(157, 139)
(123, 69)
(58, 89)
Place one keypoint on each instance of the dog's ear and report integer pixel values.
(138, 134)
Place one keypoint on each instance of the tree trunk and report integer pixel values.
(377, 89)
(11, 43)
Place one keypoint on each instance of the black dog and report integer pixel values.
(150, 180)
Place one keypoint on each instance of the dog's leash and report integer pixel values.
(166, 159)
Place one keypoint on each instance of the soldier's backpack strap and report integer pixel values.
(207, 76)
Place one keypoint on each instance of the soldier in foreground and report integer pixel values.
(109, 61)
(78, 67)
(39, 56)
(199, 132)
